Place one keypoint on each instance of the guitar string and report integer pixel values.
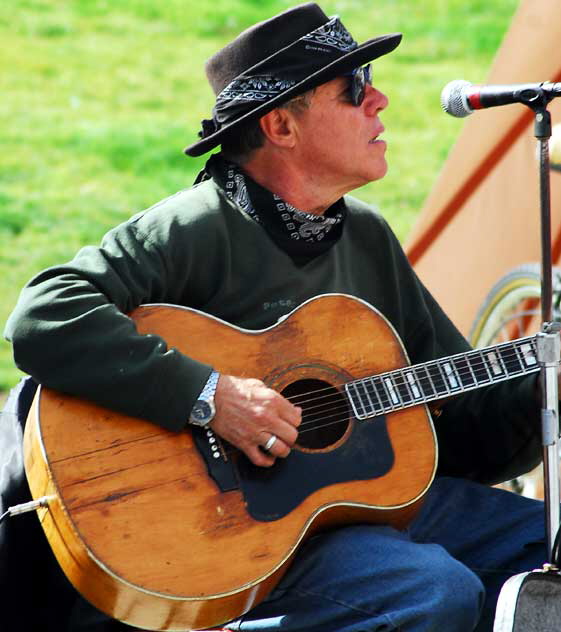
(341, 412)
(461, 373)
(378, 397)
(376, 405)
(339, 420)
(373, 410)
(337, 415)
(344, 408)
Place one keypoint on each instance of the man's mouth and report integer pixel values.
(377, 137)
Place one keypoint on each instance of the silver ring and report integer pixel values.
(270, 443)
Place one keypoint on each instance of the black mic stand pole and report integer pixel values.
(548, 344)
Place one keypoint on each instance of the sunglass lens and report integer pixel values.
(361, 76)
(358, 86)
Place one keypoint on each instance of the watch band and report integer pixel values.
(203, 410)
(210, 387)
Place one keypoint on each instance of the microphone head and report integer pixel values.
(454, 98)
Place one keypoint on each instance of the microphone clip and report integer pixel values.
(537, 98)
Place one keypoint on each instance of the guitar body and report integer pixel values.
(143, 531)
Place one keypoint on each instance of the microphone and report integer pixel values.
(460, 98)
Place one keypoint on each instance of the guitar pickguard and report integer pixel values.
(272, 493)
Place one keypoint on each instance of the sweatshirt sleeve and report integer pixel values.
(490, 434)
(70, 331)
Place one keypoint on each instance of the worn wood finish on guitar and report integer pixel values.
(139, 527)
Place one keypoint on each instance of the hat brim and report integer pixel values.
(366, 52)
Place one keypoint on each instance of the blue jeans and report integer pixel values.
(443, 574)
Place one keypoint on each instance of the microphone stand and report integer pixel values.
(548, 343)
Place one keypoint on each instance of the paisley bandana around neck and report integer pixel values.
(299, 234)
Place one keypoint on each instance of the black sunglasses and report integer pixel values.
(359, 78)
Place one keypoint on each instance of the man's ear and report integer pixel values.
(279, 126)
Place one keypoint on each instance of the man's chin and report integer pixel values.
(379, 171)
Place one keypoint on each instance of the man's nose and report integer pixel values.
(374, 100)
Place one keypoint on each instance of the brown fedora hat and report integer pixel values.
(276, 60)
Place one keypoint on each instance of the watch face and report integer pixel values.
(202, 412)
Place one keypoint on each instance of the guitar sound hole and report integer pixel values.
(325, 414)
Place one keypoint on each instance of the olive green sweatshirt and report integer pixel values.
(196, 248)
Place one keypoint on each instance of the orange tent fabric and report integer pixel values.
(482, 217)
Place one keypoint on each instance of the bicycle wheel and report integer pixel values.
(511, 310)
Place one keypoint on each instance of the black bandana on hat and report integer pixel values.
(301, 235)
(240, 95)
(276, 60)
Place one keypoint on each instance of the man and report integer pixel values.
(267, 227)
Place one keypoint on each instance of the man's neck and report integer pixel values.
(291, 184)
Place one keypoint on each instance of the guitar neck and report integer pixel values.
(452, 375)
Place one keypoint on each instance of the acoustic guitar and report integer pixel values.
(177, 531)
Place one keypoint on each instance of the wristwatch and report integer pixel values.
(204, 410)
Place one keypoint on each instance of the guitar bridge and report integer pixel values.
(219, 467)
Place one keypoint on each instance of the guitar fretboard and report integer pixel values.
(422, 383)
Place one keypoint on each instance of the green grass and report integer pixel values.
(99, 98)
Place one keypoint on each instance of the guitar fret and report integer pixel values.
(504, 359)
(412, 382)
(369, 391)
(405, 387)
(495, 364)
(511, 361)
(438, 379)
(485, 366)
(365, 398)
(391, 390)
(520, 356)
(528, 354)
(464, 372)
(477, 365)
(501, 362)
(471, 370)
(400, 391)
(383, 394)
(427, 386)
(451, 375)
(377, 404)
(355, 399)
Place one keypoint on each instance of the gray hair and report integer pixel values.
(239, 146)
